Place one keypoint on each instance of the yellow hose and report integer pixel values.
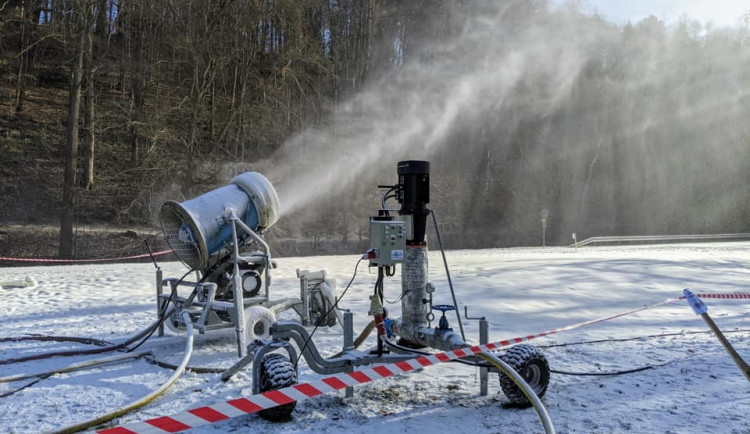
(525, 388)
(148, 398)
(361, 338)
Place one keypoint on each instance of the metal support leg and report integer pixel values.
(349, 342)
(305, 301)
(484, 333)
(239, 303)
(159, 302)
(201, 323)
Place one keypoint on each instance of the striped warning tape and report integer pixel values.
(67, 261)
(238, 407)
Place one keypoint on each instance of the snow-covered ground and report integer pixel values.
(521, 291)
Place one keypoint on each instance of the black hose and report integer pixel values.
(43, 338)
(69, 353)
(195, 369)
(145, 334)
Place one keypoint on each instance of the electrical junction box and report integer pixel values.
(387, 241)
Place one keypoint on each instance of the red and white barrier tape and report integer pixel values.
(67, 261)
(238, 407)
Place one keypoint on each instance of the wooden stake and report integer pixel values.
(701, 309)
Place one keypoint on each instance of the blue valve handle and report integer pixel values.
(443, 307)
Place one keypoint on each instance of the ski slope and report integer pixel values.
(697, 388)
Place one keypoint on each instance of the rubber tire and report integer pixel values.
(277, 372)
(530, 362)
(324, 307)
(258, 320)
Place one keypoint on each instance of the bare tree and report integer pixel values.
(69, 185)
(89, 123)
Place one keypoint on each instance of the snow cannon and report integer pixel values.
(198, 228)
(218, 235)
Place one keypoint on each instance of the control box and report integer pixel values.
(387, 242)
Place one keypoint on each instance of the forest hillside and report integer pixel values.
(110, 107)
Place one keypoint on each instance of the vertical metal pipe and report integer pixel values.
(484, 336)
(379, 314)
(414, 302)
(239, 302)
(349, 342)
(303, 295)
(159, 302)
(348, 331)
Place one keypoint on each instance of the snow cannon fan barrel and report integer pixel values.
(414, 195)
(198, 228)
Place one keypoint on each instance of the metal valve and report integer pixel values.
(443, 322)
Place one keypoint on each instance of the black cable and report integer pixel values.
(29, 384)
(487, 365)
(393, 270)
(604, 374)
(397, 298)
(322, 317)
(448, 274)
(698, 332)
(150, 253)
(161, 320)
(379, 284)
(163, 313)
(379, 288)
(386, 197)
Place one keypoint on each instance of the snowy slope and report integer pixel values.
(521, 291)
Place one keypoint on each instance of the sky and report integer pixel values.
(720, 13)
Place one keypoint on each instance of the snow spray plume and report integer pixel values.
(615, 129)
(410, 112)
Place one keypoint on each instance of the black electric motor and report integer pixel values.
(414, 195)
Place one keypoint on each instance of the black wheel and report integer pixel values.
(322, 313)
(530, 362)
(277, 372)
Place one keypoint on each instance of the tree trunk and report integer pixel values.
(69, 184)
(22, 61)
(101, 18)
(88, 114)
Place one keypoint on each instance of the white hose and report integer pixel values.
(76, 366)
(525, 388)
(148, 398)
